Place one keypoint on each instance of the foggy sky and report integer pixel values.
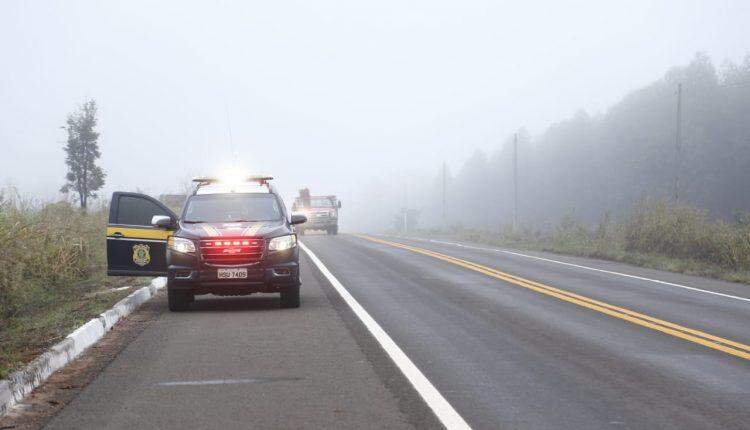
(328, 94)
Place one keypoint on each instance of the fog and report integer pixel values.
(367, 100)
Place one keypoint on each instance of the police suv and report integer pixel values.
(233, 238)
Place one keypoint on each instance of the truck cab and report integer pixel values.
(322, 213)
(230, 239)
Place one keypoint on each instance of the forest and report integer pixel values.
(591, 166)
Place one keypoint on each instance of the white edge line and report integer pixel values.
(671, 284)
(439, 405)
(641, 278)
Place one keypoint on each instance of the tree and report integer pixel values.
(603, 163)
(84, 176)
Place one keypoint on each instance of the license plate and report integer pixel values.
(239, 273)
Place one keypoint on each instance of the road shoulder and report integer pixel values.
(67, 383)
(239, 362)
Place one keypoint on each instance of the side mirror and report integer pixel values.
(339, 204)
(298, 219)
(162, 221)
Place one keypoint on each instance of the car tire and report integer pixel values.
(178, 301)
(290, 297)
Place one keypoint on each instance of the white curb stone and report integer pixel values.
(19, 384)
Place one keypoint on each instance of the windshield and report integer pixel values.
(321, 202)
(232, 208)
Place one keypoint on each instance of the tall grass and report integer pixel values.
(52, 274)
(656, 233)
(683, 231)
(45, 250)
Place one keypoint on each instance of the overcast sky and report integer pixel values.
(329, 94)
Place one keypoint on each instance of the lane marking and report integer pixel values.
(696, 336)
(439, 405)
(609, 272)
(224, 382)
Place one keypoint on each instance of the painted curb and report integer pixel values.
(20, 383)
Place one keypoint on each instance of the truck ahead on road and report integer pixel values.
(322, 212)
(232, 238)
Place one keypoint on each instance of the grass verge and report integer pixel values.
(52, 275)
(25, 337)
(657, 235)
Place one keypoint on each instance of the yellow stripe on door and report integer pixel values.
(139, 233)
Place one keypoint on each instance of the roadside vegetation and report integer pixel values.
(656, 234)
(560, 182)
(52, 274)
(594, 163)
(53, 256)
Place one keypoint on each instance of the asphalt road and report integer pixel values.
(239, 363)
(506, 356)
(488, 331)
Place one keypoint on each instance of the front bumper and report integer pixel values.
(320, 224)
(273, 273)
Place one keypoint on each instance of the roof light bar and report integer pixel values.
(205, 180)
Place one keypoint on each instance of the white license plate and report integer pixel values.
(240, 273)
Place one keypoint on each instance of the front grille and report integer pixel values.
(231, 251)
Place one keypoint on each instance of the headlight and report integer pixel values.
(282, 243)
(179, 244)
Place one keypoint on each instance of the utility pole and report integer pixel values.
(678, 145)
(406, 200)
(515, 182)
(444, 181)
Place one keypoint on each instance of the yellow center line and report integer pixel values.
(696, 336)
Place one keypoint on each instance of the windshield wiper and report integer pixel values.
(193, 222)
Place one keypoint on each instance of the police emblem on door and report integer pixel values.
(141, 255)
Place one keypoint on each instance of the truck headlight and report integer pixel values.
(282, 243)
(179, 244)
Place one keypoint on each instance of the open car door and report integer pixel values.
(134, 246)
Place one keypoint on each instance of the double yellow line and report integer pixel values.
(696, 336)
